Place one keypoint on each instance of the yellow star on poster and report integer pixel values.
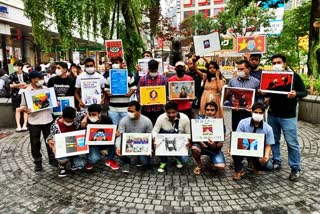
(259, 41)
(259, 48)
(242, 45)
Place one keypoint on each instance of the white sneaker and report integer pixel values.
(18, 129)
(24, 128)
(179, 165)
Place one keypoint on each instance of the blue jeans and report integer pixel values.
(289, 129)
(77, 161)
(94, 155)
(182, 159)
(116, 116)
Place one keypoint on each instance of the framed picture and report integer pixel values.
(247, 144)
(233, 97)
(143, 63)
(100, 134)
(153, 95)
(172, 144)
(136, 144)
(64, 102)
(181, 90)
(205, 129)
(278, 82)
(41, 99)
(91, 91)
(114, 48)
(206, 44)
(251, 44)
(70, 144)
(119, 81)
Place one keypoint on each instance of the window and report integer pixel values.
(216, 11)
(187, 14)
(205, 12)
(188, 3)
(203, 2)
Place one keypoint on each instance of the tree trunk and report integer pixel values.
(314, 40)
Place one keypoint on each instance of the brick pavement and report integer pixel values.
(147, 191)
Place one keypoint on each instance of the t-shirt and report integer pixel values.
(62, 86)
(182, 104)
(85, 75)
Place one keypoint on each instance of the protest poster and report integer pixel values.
(91, 91)
(136, 144)
(118, 81)
(114, 49)
(247, 144)
(251, 44)
(63, 102)
(171, 144)
(181, 90)
(143, 63)
(233, 97)
(153, 95)
(278, 82)
(70, 144)
(206, 44)
(100, 134)
(41, 99)
(205, 129)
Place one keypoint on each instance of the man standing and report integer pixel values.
(134, 122)
(282, 117)
(243, 80)
(152, 78)
(254, 61)
(172, 122)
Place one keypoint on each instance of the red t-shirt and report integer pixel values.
(63, 128)
(182, 104)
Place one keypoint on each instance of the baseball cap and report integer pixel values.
(35, 74)
(180, 63)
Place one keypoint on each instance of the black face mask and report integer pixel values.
(180, 73)
(210, 75)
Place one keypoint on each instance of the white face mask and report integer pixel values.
(257, 117)
(115, 65)
(25, 69)
(40, 83)
(90, 70)
(241, 74)
(131, 115)
(58, 72)
(278, 67)
(93, 119)
(153, 74)
(68, 124)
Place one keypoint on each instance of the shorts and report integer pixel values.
(216, 157)
(16, 101)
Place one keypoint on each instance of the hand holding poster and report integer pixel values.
(247, 144)
(233, 97)
(136, 144)
(205, 129)
(100, 134)
(118, 81)
(206, 44)
(114, 48)
(91, 91)
(181, 90)
(153, 95)
(276, 82)
(41, 99)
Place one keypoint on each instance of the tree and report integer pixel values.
(314, 40)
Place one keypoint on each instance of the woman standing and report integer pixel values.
(213, 84)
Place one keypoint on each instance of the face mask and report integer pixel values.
(277, 67)
(40, 83)
(153, 74)
(131, 115)
(25, 69)
(115, 65)
(93, 119)
(58, 72)
(90, 70)
(241, 74)
(180, 73)
(257, 117)
(68, 124)
(16, 68)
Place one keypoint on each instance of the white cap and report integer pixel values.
(180, 63)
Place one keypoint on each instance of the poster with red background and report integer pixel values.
(278, 82)
(114, 48)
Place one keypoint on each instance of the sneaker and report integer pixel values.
(112, 164)
(162, 167)
(62, 172)
(74, 167)
(276, 165)
(139, 164)
(295, 175)
(126, 168)
(237, 175)
(89, 166)
(24, 128)
(18, 129)
(38, 167)
(179, 164)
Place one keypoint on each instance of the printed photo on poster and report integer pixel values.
(70, 144)
(118, 81)
(233, 97)
(136, 144)
(206, 44)
(153, 95)
(114, 49)
(205, 129)
(181, 90)
(171, 144)
(100, 134)
(41, 99)
(64, 102)
(91, 91)
(247, 144)
(276, 82)
(143, 63)
(251, 44)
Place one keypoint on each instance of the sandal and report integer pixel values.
(197, 170)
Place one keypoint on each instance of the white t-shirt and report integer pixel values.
(85, 75)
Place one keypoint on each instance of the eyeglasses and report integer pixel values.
(210, 109)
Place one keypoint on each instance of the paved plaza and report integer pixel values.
(147, 191)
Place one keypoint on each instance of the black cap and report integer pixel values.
(153, 64)
(35, 74)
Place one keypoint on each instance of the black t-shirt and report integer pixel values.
(62, 86)
(104, 120)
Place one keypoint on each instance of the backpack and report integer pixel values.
(5, 91)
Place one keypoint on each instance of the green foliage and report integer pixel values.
(316, 83)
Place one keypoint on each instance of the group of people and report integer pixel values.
(171, 118)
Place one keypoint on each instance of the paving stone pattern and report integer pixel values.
(147, 191)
